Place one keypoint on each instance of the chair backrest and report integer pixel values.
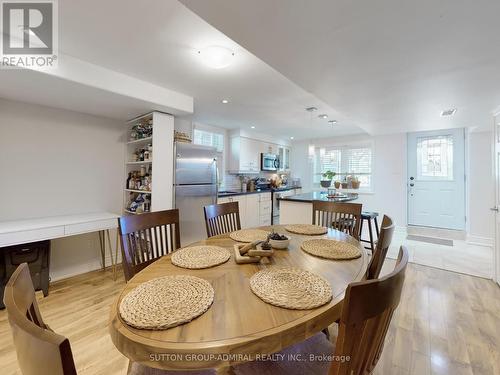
(384, 241)
(366, 314)
(345, 217)
(40, 351)
(147, 237)
(222, 218)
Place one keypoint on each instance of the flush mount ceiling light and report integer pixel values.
(448, 112)
(252, 127)
(332, 122)
(311, 109)
(224, 101)
(291, 138)
(216, 57)
(323, 116)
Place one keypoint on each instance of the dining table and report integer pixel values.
(238, 326)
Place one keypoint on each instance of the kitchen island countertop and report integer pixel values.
(319, 196)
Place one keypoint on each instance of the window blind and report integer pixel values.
(205, 138)
(344, 161)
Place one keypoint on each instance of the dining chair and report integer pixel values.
(222, 218)
(147, 237)
(366, 314)
(40, 351)
(345, 217)
(384, 241)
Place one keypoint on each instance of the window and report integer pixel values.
(344, 161)
(435, 158)
(205, 138)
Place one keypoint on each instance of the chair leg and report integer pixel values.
(361, 229)
(376, 227)
(370, 232)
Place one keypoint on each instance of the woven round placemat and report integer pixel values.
(166, 302)
(249, 235)
(291, 288)
(307, 229)
(331, 249)
(197, 257)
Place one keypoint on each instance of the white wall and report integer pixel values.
(58, 162)
(388, 193)
(481, 187)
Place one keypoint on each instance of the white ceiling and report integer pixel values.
(157, 41)
(387, 65)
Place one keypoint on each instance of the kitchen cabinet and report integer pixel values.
(255, 209)
(245, 155)
(284, 155)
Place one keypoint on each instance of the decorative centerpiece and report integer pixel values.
(252, 252)
(326, 182)
(278, 241)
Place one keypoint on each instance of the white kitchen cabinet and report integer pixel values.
(245, 155)
(284, 155)
(255, 209)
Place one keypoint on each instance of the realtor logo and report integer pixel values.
(29, 34)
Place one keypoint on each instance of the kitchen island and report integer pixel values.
(297, 209)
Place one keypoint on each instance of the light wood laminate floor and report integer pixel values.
(447, 323)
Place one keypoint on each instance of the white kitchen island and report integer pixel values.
(297, 209)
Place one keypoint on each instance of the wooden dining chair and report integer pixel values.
(222, 218)
(366, 314)
(147, 237)
(40, 351)
(384, 241)
(345, 217)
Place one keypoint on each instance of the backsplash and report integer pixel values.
(232, 182)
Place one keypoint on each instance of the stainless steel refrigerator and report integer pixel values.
(195, 186)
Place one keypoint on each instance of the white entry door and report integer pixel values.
(496, 133)
(436, 179)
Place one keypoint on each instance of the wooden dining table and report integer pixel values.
(239, 326)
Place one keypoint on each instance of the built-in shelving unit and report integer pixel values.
(152, 188)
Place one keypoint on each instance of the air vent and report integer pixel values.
(448, 112)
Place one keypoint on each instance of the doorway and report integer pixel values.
(436, 179)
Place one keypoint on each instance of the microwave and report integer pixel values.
(269, 162)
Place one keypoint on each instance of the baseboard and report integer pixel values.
(480, 241)
(78, 269)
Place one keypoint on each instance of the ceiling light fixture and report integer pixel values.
(216, 57)
(311, 109)
(253, 127)
(224, 101)
(448, 112)
(291, 138)
(323, 116)
(332, 122)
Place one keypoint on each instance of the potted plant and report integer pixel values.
(337, 184)
(355, 182)
(345, 183)
(326, 182)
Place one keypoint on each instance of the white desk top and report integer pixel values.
(38, 229)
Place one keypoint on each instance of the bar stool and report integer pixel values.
(369, 216)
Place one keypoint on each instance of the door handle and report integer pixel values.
(494, 209)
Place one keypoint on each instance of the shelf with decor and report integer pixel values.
(148, 184)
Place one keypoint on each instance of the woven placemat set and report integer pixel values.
(331, 249)
(198, 257)
(306, 229)
(166, 302)
(249, 235)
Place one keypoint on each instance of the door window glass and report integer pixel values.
(435, 157)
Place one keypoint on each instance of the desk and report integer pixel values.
(49, 228)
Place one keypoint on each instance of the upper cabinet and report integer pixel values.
(245, 151)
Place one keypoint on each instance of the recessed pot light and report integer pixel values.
(291, 138)
(224, 101)
(323, 116)
(252, 127)
(332, 122)
(448, 112)
(216, 57)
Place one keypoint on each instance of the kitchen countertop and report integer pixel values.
(233, 193)
(319, 196)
